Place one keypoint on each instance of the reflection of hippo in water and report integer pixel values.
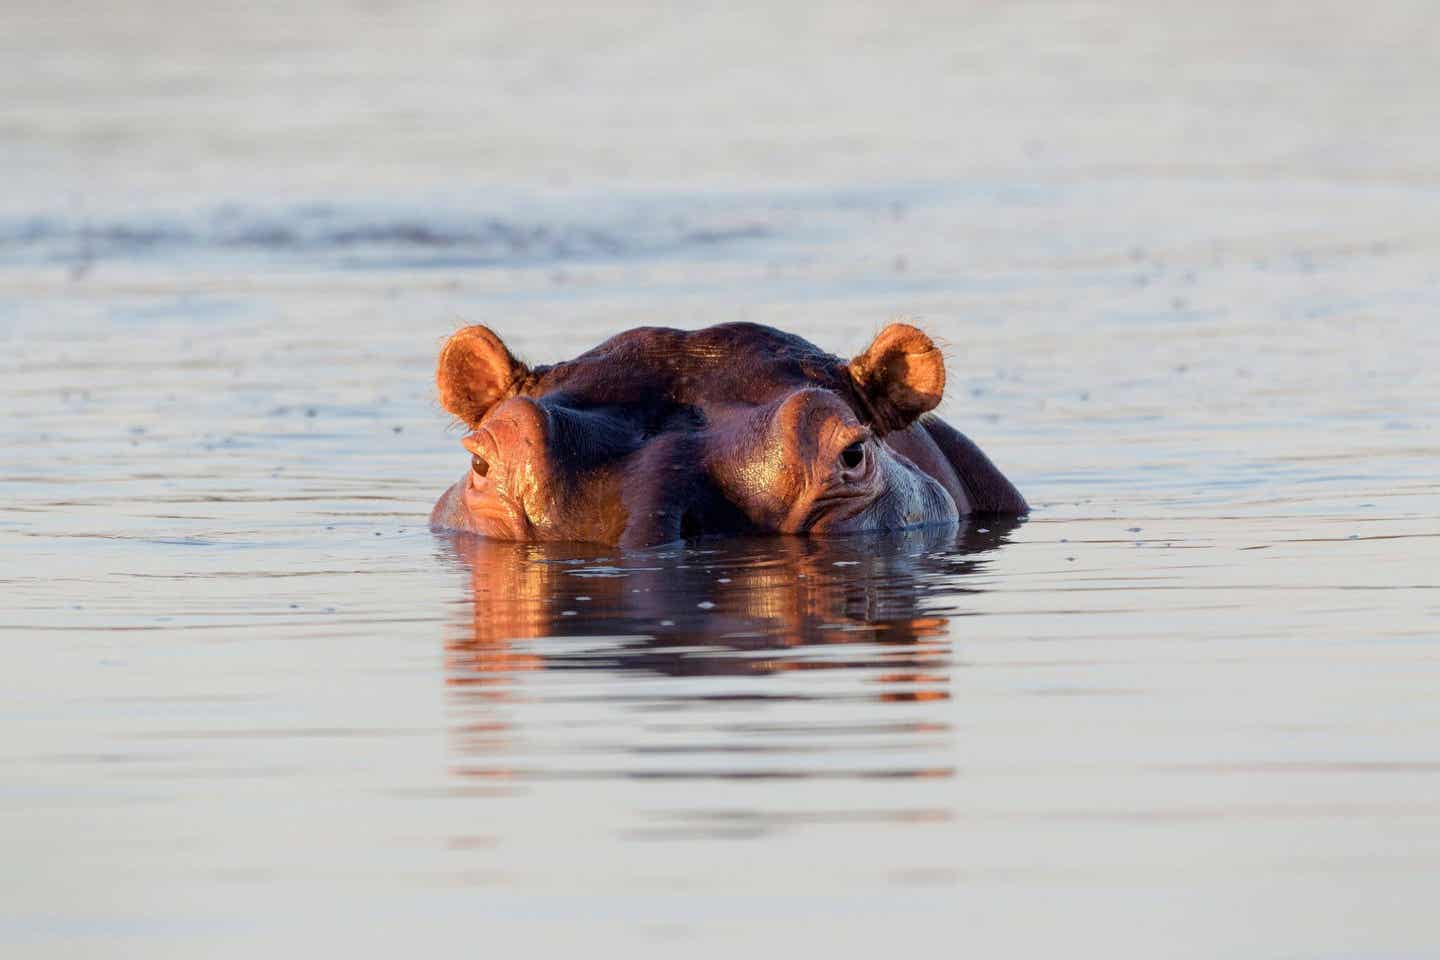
(652, 612)
(760, 657)
(658, 434)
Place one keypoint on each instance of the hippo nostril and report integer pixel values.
(852, 456)
(478, 464)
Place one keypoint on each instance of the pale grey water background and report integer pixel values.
(1185, 260)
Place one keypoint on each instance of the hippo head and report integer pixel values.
(660, 434)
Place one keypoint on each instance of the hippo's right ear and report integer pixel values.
(899, 376)
(475, 372)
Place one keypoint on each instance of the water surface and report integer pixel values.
(1186, 709)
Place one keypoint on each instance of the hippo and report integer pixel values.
(660, 435)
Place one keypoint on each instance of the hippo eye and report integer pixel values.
(478, 464)
(853, 455)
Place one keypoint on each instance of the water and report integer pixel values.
(1185, 709)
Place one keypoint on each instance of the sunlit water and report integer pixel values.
(253, 705)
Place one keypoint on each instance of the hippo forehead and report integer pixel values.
(722, 366)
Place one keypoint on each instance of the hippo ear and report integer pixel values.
(475, 372)
(899, 376)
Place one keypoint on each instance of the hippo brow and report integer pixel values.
(581, 439)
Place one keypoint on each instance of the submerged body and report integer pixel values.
(658, 434)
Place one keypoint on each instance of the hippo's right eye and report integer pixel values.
(853, 455)
(478, 464)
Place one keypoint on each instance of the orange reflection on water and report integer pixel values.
(736, 596)
(875, 609)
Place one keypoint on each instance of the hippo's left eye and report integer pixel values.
(853, 455)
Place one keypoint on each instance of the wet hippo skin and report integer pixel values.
(658, 435)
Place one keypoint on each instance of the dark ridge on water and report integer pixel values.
(335, 236)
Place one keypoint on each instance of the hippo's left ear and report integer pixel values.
(475, 372)
(899, 376)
